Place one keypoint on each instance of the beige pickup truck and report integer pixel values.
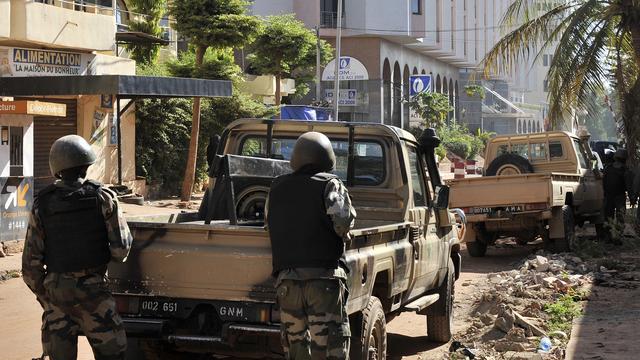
(534, 185)
(201, 282)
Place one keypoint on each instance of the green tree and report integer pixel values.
(217, 24)
(163, 125)
(147, 15)
(432, 107)
(284, 47)
(595, 41)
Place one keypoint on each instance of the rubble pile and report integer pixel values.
(509, 320)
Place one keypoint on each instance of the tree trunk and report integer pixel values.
(278, 78)
(631, 105)
(190, 170)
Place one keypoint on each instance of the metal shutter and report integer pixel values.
(48, 129)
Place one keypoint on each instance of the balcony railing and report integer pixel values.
(329, 19)
(102, 7)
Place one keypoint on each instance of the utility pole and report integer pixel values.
(336, 85)
(318, 74)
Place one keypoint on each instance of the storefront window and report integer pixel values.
(15, 152)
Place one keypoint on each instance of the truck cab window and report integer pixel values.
(539, 151)
(580, 154)
(502, 149)
(369, 160)
(520, 149)
(417, 178)
(555, 150)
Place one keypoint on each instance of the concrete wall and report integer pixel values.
(5, 24)
(111, 65)
(273, 7)
(63, 28)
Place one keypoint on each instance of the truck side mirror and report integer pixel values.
(441, 200)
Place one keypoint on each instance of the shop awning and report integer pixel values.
(123, 86)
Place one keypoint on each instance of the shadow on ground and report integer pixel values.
(400, 346)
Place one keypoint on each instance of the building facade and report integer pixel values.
(446, 39)
(58, 38)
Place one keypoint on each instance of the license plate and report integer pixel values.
(155, 307)
(494, 210)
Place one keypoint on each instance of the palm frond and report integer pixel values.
(519, 44)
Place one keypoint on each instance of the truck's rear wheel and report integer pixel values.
(477, 248)
(369, 333)
(440, 314)
(566, 243)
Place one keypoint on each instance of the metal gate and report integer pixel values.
(46, 131)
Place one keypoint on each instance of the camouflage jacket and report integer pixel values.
(33, 262)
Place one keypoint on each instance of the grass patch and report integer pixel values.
(562, 312)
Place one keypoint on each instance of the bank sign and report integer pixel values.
(16, 199)
(350, 69)
(419, 84)
(20, 62)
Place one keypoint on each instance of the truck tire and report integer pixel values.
(477, 248)
(566, 243)
(440, 314)
(369, 333)
(509, 164)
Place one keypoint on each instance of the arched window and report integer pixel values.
(397, 95)
(386, 92)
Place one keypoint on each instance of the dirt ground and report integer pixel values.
(407, 333)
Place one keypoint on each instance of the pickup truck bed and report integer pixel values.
(479, 195)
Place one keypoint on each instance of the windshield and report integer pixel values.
(369, 160)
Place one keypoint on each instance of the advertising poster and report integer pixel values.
(106, 101)
(113, 130)
(20, 62)
(97, 127)
(16, 200)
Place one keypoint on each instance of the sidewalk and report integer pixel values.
(608, 328)
(11, 262)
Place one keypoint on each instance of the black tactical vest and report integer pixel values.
(74, 227)
(301, 232)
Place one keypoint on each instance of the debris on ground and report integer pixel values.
(512, 319)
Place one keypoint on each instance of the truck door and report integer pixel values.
(589, 194)
(426, 245)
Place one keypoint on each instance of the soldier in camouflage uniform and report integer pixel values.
(75, 229)
(309, 215)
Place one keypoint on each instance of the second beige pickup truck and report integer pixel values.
(536, 185)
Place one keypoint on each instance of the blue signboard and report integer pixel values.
(419, 83)
(16, 199)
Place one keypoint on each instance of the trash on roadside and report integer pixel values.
(545, 344)
(457, 346)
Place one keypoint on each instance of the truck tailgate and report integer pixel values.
(167, 260)
(492, 191)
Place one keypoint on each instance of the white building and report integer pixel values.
(393, 40)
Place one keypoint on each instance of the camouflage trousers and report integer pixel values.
(314, 321)
(81, 306)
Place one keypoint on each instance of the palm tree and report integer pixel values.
(596, 42)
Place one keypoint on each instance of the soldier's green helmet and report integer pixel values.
(313, 150)
(69, 152)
